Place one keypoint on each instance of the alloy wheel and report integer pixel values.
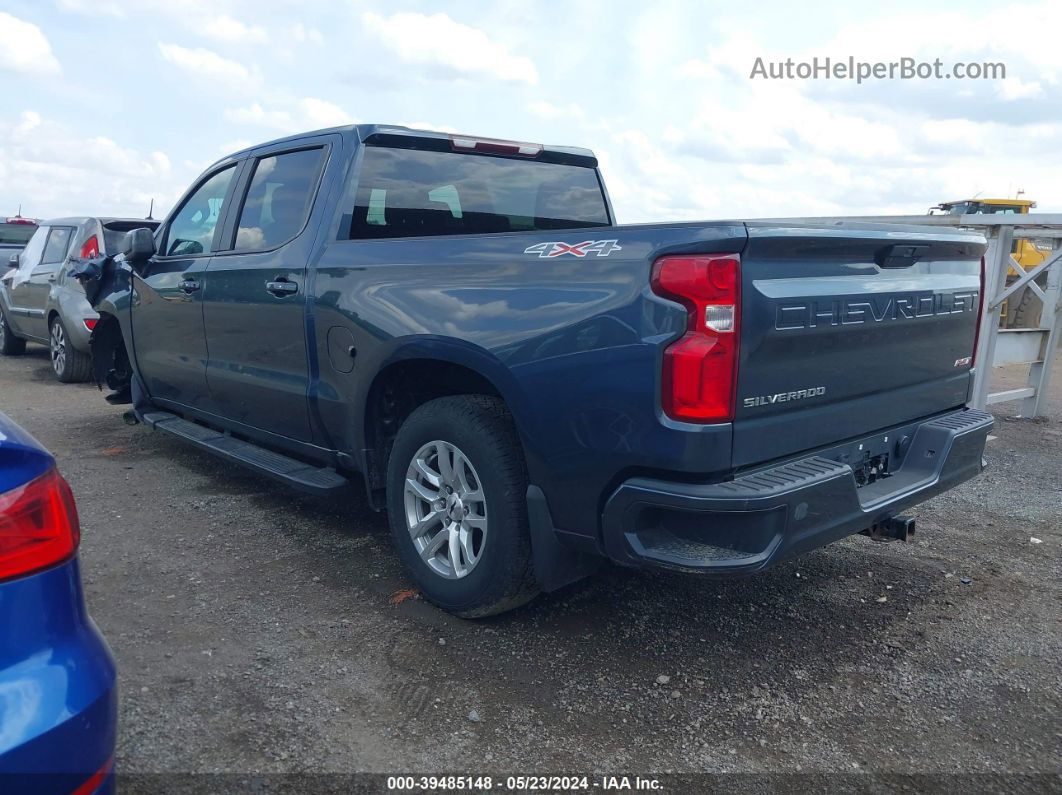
(446, 509)
(58, 347)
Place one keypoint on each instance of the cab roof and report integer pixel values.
(409, 138)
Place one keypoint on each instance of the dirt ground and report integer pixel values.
(260, 631)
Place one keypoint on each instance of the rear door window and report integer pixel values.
(57, 245)
(192, 230)
(278, 199)
(410, 193)
(30, 257)
(31, 254)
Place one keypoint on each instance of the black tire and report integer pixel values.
(70, 365)
(481, 427)
(10, 345)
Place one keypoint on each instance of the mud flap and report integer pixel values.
(556, 564)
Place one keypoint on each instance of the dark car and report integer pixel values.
(58, 706)
(39, 302)
(15, 233)
(529, 388)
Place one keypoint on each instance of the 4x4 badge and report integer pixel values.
(600, 248)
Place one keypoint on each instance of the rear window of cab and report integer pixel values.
(412, 193)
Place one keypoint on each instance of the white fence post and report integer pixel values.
(1051, 319)
(997, 261)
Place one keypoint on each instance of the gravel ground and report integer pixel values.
(259, 631)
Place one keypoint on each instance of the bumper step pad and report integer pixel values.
(757, 519)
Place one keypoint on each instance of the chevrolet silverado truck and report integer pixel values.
(529, 389)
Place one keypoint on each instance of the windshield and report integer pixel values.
(980, 208)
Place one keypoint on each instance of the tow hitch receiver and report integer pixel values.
(896, 528)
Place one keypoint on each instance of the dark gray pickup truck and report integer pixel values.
(529, 388)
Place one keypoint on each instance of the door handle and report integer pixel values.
(188, 285)
(282, 287)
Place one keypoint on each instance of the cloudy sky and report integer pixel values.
(110, 103)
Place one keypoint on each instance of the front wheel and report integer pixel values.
(71, 365)
(456, 499)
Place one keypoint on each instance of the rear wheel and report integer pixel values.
(10, 345)
(456, 501)
(70, 365)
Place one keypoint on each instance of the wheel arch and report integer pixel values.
(110, 355)
(415, 371)
(556, 564)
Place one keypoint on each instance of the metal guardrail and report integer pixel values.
(1035, 346)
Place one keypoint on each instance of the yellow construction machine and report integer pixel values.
(1022, 309)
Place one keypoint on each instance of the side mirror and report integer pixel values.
(139, 246)
(12, 261)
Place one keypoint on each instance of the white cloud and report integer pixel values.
(439, 41)
(1016, 88)
(308, 113)
(321, 113)
(225, 28)
(255, 115)
(999, 34)
(713, 143)
(548, 110)
(303, 33)
(108, 8)
(680, 129)
(25, 49)
(205, 63)
(237, 145)
(202, 17)
(54, 170)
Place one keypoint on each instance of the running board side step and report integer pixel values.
(297, 474)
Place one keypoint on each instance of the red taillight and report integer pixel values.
(494, 146)
(38, 526)
(18, 219)
(91, 248)
(90, 322)
(94, 782)
(980, 315)
(700, 369)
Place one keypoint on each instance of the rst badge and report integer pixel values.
(599, 248)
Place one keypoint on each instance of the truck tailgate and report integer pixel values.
(847, 330)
